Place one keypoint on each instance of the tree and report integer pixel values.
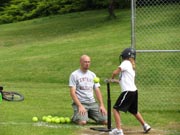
(111, 8)
(4, 3)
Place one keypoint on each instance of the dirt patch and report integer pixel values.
(127, 131)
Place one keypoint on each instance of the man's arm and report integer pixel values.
(100, 100)
(74, 97)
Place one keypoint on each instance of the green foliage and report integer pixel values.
(4, 3)
(124, 3)
(19, 10)
(6, 18)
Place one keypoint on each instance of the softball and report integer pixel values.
(67, 119)
(96, 80)
(35, 119)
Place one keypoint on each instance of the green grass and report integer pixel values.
(158, 27)
(37, 57)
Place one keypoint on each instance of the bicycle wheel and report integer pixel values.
(12, 96)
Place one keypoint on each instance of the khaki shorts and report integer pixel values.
(92, 112)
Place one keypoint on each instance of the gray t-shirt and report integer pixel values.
(84, 85)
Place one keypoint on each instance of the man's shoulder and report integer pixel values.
(91, 72)
(76, 71)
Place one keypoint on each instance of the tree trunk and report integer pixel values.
(111, 9)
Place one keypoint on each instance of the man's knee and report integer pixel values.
(81, 122)
(104, 122)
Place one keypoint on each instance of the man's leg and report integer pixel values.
(96, 115)
(77, 118)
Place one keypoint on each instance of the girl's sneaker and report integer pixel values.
(116, 132)
(146, 128)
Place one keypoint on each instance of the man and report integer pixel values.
(82, 89)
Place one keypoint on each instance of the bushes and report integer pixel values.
(16, 10)
(19, 10)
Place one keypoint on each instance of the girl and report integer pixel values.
(128, 100)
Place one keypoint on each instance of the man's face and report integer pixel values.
(85, 63)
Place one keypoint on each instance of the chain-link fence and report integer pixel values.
(157, 41)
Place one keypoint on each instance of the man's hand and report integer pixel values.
(102, 110)
(82, 110)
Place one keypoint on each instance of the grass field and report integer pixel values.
(37, 57)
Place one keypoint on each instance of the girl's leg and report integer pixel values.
(117, 119)
(139, 118)
(146, 127)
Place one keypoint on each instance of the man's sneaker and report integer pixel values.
(146, 128)
(116, 132)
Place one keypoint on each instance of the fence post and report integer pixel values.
(133, 20)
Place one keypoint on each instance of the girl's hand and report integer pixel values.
(114, 80)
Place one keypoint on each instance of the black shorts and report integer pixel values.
(127, 101)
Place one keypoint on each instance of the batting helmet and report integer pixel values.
(128, 53)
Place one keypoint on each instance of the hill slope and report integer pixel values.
(39, 50)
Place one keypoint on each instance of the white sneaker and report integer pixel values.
(116, 132)
(146, 128)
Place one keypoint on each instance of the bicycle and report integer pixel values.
(11, 95)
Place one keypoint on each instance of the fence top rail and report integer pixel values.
(152, 51)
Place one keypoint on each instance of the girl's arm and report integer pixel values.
(116, 72)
